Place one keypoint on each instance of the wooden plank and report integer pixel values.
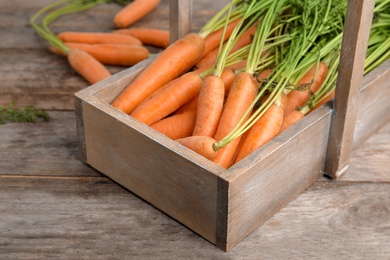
(370, 161)
(265, 181)
(83, 218)
(350, 76)
(152, 166)
(180, 18)
(374, 105)
(43, 148)
(37, 77)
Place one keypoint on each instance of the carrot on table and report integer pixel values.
(87, 66)
(111, 54)
(133, 12)
(210, 106)
(311, 82)
(202, 145)
(149, 36)
(178, 58)
(262, 131)
(176, 126)
(97, 37)
(168, 98)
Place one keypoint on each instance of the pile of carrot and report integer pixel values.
(254, 70)
(88, 53)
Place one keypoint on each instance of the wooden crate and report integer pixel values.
(223, 206)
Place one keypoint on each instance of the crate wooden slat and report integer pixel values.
(223, 206)
(374, 105)
(350, 74)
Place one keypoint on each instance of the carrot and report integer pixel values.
(297, 97)
(172, 96)
(291, 119)
(133, 12)
(176, 126)
(191, 105)
(97, 37)
(87, 66)
(227, 77)
(210, 106)
(111, 54)
(211, 57)
(213, 39)
(238, 65)
(202, 145)
(242, 92)
(265, 129)
(242, 140)
(329, 97)
(283, 101)
(178, 58)
(149, 36)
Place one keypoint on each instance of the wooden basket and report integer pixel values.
(224, 206)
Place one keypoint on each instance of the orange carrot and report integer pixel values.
(87, 66)
(330, 96)
(227, 77)
(283, 101)
(178, 58)
(213, 40)
(242, 140)
(111, 54)
(210, 106)
(291, 119)
(238, 65)
(98, 37)
(149, 36)
(265, 129)
(176, 126)
(297, 97)
(191, 105)
(242, 92)
(211, 57)
(172, 96)
(202, 145)
(134, 11)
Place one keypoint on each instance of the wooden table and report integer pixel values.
(52, 206)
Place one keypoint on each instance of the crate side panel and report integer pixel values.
(175, 185)
(263, 186)
(374, 104)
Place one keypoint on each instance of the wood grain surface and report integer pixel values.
(52, 206)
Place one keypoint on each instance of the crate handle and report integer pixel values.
(350, 77)
(180, 16)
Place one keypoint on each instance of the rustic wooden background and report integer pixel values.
(52, 206)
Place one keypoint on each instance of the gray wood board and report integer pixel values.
(93, 218)
(43, 148)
